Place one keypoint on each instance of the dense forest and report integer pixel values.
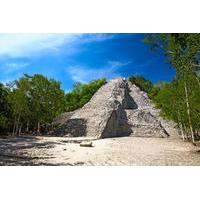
(32, 101)
(28, 103)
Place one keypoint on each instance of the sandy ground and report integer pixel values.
(113, 151)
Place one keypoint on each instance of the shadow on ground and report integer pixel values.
(14, 151)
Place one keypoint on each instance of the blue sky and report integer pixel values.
(72, 58)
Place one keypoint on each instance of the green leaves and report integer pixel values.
(32, 100)
(46, 98)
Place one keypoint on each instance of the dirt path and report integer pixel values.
(112, 151)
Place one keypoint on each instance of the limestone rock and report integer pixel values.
(146, 106)
(86, 144)
(118, 108)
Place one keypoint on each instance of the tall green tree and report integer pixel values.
(182, 52)
(4, 109)
(46, 99)
(19, 101)
(35, 100)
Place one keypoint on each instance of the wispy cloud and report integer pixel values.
(99, 37)
(115, 64)
(25, 45)
(85, 74)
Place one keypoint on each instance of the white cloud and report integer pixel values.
(118, 63)
(85, 74)
(22, 45)
(99, 37)
(25, 45)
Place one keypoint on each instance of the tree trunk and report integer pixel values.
(17, 127)
(181, 126)
(195, 75)
(20, 128)
(188, 112)
(185, 130)
(197, 79)
(14, 126)
(38, 128)
(27, 127)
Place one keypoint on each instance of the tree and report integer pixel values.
(35, 100)
(4, 109)
(46, 99)
(182, 52)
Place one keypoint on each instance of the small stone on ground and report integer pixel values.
(86, 144)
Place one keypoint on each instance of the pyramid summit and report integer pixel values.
(118, 108)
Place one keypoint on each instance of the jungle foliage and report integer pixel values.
(179, 100)
(32, 101)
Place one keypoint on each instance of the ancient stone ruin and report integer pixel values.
(118, 108)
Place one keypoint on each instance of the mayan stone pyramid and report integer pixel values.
(118, 108)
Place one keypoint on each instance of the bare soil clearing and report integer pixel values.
(111, 151)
